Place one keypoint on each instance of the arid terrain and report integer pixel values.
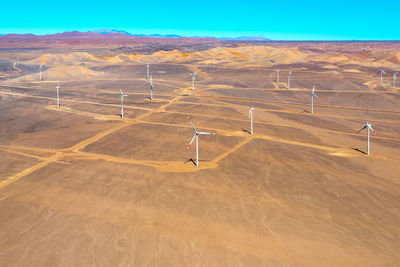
(79, 186)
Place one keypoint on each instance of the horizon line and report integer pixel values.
(155, 35)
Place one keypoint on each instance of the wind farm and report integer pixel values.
(272, 177)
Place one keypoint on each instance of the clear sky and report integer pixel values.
(278, 20)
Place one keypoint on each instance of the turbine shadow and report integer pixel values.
(191, 160)
(306, 111)
(359, 150)
(246, 131)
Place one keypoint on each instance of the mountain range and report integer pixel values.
(241, 38)
(121, 33)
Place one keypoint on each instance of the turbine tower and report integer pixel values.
(394, 79)
(367, 126)
(193, 78)
(122, 103)
(382, 72)
(40, 73)
(58, 94)
(196, 136)
(288, 79)
(148, 71)
(251, 108)
(277, 75)
(312, 98)
(151, 87)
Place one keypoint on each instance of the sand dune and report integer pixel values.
(253, 55)
(217, 55)
(60, 73)
(395, 58)
(73, 58)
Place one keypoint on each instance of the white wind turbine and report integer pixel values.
(40, 73)
(382, 72)
(277, 75)
(148, 71)
(58, 94)
(288, 79)
(312, 98)
(196, 136)
(394, 79)
(251, 108)
(367, 126)
(193, 78)
(122, 103)
(151, 87)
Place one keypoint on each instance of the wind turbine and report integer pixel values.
(382, 72)
(277, 75)
(122, 103)
(148, 71)
(312, 98)
(40, 73)
(151, 87)
(394, 79)
(251, 108)
(288, 79)
(193, 78)
(367, 126)
(58, 94)
(196, 136)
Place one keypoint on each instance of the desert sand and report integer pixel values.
(79, 186)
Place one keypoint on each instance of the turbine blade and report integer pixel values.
(203, 133)
(362, 128)
(371, 129)
(194, 128)
(191, 141)
(316, 96)
(120, 90)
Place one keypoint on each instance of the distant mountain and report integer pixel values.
(164, 36)
(242, 38)
(109, 38)
(106, 31)
(111, 34)
(245, 38)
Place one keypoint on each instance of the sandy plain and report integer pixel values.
(81, 187)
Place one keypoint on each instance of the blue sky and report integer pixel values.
(278, 20)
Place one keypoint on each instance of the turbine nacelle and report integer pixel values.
(121, 93)
(367, 126)
(193, 75)
(313, 94)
